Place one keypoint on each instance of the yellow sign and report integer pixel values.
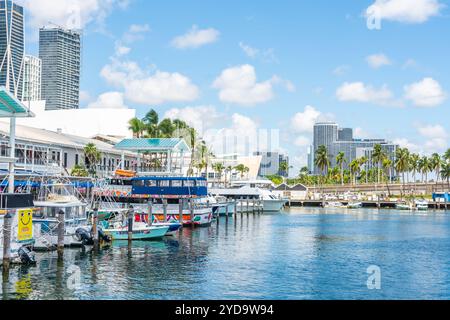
(25, 218)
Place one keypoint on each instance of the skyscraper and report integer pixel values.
(60, 52)
(31, 79)
(11, 46)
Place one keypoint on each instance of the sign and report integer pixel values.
(25, 230)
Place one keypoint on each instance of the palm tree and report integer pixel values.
(242, 169)
(137, 127)
(355, 168)
(228, 171)
(304, 172)
(402, 163)
(445, 173)
(193, 145)
(151, 121)
(435, 164)
(378, 156)
(322, 162)
(424, 167)
(387, 166)
(219, 168)
(79, 171)
(363, 162)
(92, 157)
(447, 155)
(340, 160)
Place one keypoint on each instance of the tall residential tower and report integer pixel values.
(60, 52)
(11, 46)
(32, 79)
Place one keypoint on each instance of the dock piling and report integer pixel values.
(95, 228)
(61, 231)
(227, 212)
(180, 211)
(165, 210)
(7, 225)
(130, 225)
(150, 213)
(191, 207)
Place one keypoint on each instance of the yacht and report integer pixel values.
(256, 193)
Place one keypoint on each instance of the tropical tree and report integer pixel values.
(414, 160)
(445, 173)
(363, 161)
(378, 156)
(92, 157)
(304, 172)
(435, 164)
(242, 169)
(355, 168)
(425, 168)
(447, 155)
(151, 121)
(137, 127)
(340, 160)
(402, 161)
(219, 168)
(322, 160)
(79, 171)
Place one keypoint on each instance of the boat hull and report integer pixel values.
(144, 234)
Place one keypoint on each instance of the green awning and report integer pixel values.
(11, 107)
(153, 145)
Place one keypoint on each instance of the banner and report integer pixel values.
(25, 230)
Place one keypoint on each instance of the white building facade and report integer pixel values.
(32, 78)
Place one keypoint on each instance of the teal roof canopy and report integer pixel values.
(153, 145)
(11, 107)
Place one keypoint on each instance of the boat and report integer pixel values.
(256, 194)
(55, 199)
(173, 224)
(334, 204)
(403, 206)
(141, 231)
(355, 205)
(22, 236)
(422, 205)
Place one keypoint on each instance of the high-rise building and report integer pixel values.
(271, 163)
(338, 140)
(11, 46)
(60, 52)
(31, 79)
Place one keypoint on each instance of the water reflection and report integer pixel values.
(298, 255)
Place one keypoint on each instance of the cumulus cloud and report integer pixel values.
(109, 100)
(238, 85)
(432, 138)
(360, 92)
(201, 118)
(407, 11)
(196, 38)
(303, 122)
(144, 87)
(302, 141)
(74, 14)
(426, 93)
(377, 61)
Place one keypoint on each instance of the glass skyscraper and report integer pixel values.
(60, 52)
(11, 46)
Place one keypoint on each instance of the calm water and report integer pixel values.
(301, 254)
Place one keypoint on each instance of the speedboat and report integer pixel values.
(334, 204)
(403, 206)
(141, 231)
(355, 205)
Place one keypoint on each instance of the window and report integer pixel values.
(65, 159)
(77, 159)
(164, 183)
(150, 183)
(138, 183)
(201, 183)
(177, 183)
(189, 183)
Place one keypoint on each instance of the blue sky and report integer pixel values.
(303, 53)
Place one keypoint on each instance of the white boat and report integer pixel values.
(141, 231)
(355, 205)
(256, 194)
(334, 204)
(60, 198)
(404, 206)
(422, 205)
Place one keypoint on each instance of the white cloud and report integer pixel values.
(121, 50)
(76, 14)
(195, 38)
(411, 146)
(408, 11)
(109, 100)
(425, 93)
(239, 85)
(143, 87)
(266, 55)
(376, 61)
(432, 138)
(341, 70)
(201, 118)
(361, 133)
(303, 122)
(433, 131)
(302, 141)
(360, 92)
(85, 96)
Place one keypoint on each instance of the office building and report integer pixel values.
(11, 46)
(31, 79)
(60, 52)
(271, 163)
(338, 140)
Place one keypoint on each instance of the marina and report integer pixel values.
(303, 253)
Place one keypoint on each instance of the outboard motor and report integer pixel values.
(102, 236)
(26, 256)
(84, 237)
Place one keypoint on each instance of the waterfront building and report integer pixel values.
(11, 46)
(60, 52)
(85, 122)
(253, 163)
(338, 140)
(40, 151)
(271, 162)
(32, 78)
